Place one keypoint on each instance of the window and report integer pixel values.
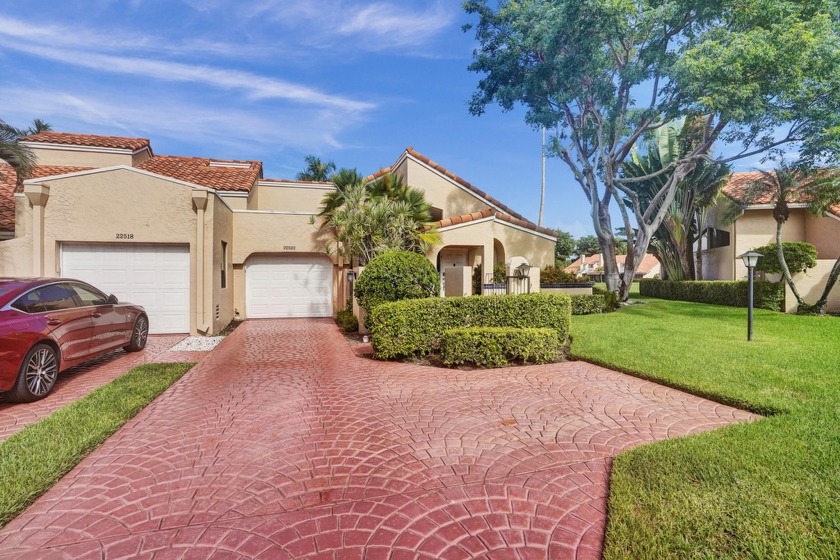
(717, 238)
(54, 297)
(89, 296)
(224, 264)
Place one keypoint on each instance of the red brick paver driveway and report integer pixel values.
(77, 382)
(283, 444)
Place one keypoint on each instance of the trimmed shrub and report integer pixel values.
(768, 295)
(583, 304)
(498, 346)
(396, 276)
(799, 256)
(611, 301)
(414, 327)
(347, 321)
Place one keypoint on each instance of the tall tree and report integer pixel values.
(587, 245)
(316, 170)
(18, 156)
(762, 73)
(673, 242)
(564, 248)
(792, 184)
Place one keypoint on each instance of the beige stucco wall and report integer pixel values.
(221, 230)
(290, 198)
(811, 285)
(824, 233)
(46, 156)
(441, 192)
(235, 202)
(570, 291)
(16, 253)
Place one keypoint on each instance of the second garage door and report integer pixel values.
(154, 276)
(288, 287)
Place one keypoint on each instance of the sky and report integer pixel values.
(355, 82)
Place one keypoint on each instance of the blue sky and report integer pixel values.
(350, 81)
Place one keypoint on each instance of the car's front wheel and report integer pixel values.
(139, 335)
(37, 375)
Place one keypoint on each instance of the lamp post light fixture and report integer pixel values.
(351, 276)
(750, 259)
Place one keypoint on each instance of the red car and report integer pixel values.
(50, 324)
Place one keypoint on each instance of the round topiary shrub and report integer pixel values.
(396, 276)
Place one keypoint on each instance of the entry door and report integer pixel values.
(154, 276)
(293, 286)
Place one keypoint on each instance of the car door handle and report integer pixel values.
(96, 315)
(53, 322)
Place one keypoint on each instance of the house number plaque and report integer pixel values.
(125, 236)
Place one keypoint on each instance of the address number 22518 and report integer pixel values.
(125, 236)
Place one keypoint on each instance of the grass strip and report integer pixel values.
(34, 459)
(766, 489)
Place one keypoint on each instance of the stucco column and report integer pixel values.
(38, 196)
(487, 258)
(199, 199)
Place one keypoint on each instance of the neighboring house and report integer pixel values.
(593, 266)
(756, 227)
(200, 242)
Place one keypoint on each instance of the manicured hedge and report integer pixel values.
(583, 304)
(414, 327)
(498, 346)
(611, 301)
(396, 276)
(768, 295)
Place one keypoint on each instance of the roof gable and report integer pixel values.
(8, 188)
(491, 213)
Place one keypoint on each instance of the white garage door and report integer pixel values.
(154, 276)
(288, 287)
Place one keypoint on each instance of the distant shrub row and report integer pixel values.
(768, 295)
(498, 346)
(415, 326)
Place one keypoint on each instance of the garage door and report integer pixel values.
(154, 276)
(288, 287)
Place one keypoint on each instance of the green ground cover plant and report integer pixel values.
(498, 346)
(766, 489)
(414, 327)
(34, 459)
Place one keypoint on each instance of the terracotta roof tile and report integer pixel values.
(464, 183)
(199, 172)
(8, 187)
(740, 183)
(486, 213)
(648, 263)
(377, 175)
(133, 144)
(297, 181)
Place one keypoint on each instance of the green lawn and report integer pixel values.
(35, 458)
(767, 489)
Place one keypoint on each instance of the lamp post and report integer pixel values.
(750, 259)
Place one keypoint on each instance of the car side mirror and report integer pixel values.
(112, 299)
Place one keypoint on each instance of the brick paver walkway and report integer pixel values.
(283, 444)
(77, 382)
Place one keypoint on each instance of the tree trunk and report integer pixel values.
(819, 307)
(698, 266)
(780, 252)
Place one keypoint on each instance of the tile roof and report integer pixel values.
(466, 184)
(298, 181)
(199, 172)
(649, 262)
(488, 212)
(740, 183)
(8, 187)
(377, 175)
(91, 140)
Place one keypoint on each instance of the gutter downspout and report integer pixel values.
(199, 199)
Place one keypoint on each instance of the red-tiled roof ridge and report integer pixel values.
(488, 212)
(739, 183)
(197, 170)
(463, 182)
(378, 174)
(90, 140)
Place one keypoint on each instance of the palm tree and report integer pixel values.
(18, 156)
(377, 217)
(789, 184)
(316, 170)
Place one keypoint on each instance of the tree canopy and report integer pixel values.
(316, 170)
(604, 74)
